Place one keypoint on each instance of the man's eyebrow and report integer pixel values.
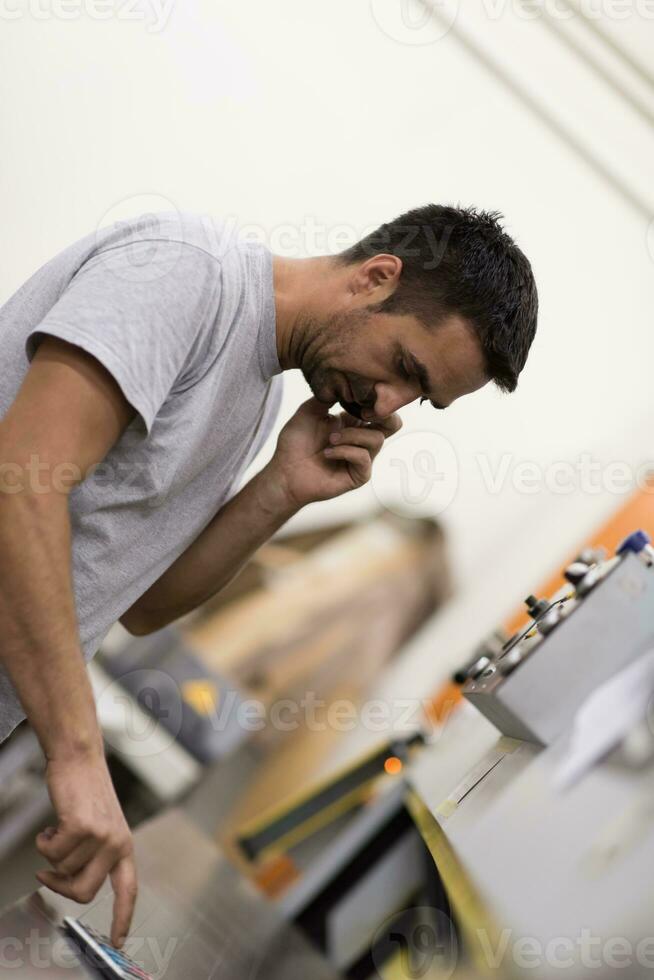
(423, 377)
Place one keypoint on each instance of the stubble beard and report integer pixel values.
(326, 343)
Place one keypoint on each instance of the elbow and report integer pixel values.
(137, 624)
(143, 618)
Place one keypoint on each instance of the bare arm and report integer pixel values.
(66, 416)
(318, 456)
(215, 557)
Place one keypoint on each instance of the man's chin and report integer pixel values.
(328, 396)
(324, 394)
(325, 398)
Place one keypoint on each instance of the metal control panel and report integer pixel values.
(601, 621)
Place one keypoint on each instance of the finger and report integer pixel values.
(125, 886)
(78, 858)
(389, 425)
(58, 845)
(345, 418)
(84, 886)
(358, 461)
(61, 884)
(68, 886)
(370, 439)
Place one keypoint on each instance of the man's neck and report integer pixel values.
(302, 288)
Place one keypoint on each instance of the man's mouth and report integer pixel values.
(347, 400)
(353, 408)
(347, 390)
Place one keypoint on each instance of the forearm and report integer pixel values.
(245, 523)
(40, 647)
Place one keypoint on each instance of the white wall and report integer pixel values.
(272, 112)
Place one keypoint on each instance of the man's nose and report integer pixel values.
(392, 397)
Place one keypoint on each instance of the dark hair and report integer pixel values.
(460, 260)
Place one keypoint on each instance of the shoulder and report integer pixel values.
(173, 231)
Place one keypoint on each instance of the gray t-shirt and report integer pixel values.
(181, 313)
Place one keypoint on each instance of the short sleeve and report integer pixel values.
(143, 310)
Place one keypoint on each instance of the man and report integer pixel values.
(140, 376)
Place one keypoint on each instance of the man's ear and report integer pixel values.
(377, 278)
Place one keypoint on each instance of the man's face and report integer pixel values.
(375, 363)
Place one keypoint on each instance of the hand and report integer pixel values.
(91, 840)
(320, 456)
